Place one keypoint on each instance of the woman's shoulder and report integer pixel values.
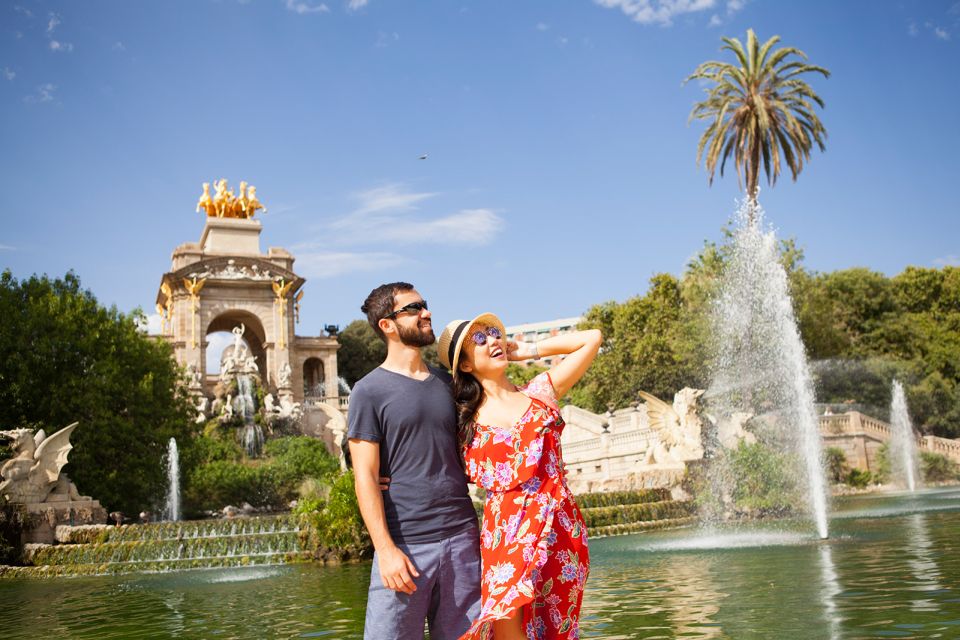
(541, 388)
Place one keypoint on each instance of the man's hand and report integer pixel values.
(384, 482)
(396, 570)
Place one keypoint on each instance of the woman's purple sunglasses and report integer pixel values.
(480, 337)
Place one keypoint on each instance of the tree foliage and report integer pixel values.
(65, 358)
(861, 329)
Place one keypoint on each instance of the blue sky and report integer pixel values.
(560, 172)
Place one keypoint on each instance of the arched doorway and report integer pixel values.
(219, 335)
(314, 377)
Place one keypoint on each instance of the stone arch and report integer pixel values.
(314, 378)
(254, 334)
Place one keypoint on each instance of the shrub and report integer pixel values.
(334, 526)
(881, 471)
(937, 467)
(859, 478)
(836, 462)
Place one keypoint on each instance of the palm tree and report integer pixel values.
(758, 109)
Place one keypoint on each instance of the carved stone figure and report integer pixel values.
(268, 404)
(252, 203)
(206, 202)
(679, 427)
(202, 404)
(228, 407)
(289, 408)
(239, 346)
(283, 375)
(33, 472)
(194, 375)
(730, 431)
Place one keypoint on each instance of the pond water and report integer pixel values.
(890, 570)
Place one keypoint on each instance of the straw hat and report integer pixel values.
(451, 340)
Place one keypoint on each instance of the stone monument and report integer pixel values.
(226, 283)
(34, 482)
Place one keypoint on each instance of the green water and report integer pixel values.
(890, 570)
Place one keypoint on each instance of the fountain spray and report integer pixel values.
(761, 362)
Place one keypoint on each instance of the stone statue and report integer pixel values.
(228, 407)
(224, 204)
(206, 202)
(679, 427)
(283, 375)
(289, 408)
(202, 404)
(730, 431)
(239, 346)
(268, 404)
(33, 472)
(194, 375)
(252, 203)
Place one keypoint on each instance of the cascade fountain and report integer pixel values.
(761, 365)
(172, 510)
(903, 443)
(251, 435)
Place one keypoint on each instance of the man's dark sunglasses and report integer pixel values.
(413, 307)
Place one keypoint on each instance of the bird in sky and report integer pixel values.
(423, 157)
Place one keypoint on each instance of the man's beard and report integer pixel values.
(416, 337)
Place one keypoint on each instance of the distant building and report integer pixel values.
(537, 331)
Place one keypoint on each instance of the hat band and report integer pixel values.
(453, 341)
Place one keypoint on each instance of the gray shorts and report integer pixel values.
(447, 595)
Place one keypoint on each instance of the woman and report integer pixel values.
(533, 539)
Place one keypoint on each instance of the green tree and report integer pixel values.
(361, 351)
(758, 108)
(65, 358)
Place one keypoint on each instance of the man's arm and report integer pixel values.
(395, 567)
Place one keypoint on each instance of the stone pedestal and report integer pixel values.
(42, 519)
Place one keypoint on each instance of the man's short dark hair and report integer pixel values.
(379, 304)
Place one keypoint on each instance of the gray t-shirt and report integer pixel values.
(415, 423)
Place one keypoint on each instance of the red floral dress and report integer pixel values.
(533, 540)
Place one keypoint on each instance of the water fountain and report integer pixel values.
(172, 510)
(251, 434)
(903, 444)
(761, 364)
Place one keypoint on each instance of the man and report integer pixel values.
(403, 428)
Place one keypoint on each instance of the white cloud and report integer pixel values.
(661, 12)
(943, 34)
(389, 198)
(385, 215)
(542, 26)
(23, 10)
(315, 262)
(44, 94)
(118, 46)
(715, 21)
(60, 47)
(303, 7)
(948, 261)
(913, 30)
(9, 74)
(386, 39)
(563, 40)
(152, 325)
(6, 247)
(354, 5)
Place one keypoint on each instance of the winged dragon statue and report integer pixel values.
(34, 471)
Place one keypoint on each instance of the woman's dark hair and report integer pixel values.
(467, 394)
